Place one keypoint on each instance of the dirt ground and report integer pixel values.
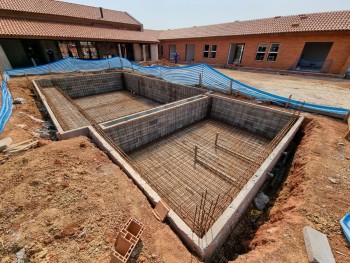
(324, 91)
(65, 201)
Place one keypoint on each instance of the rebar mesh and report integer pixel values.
(200, 169)
(109, 106)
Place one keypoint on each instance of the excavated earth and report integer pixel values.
(65, 201)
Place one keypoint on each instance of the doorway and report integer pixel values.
(189, 53)
(172, 50)
(314, 56)
(236, 54)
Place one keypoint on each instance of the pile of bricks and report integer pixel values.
(126, 241)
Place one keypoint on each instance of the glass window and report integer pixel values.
(206, 51)
(273, 52)
(260, 54)
(213, 51)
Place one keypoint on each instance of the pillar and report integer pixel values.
(4, 62)
(154, 52)
(144, 52)
(79, 50)
(120, 50)
(137, 52)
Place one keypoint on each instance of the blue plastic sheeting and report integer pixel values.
(6, 106)
(68, 65)
(190, 75)
(345, 225)
(187, 75)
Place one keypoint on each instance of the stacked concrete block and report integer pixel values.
(157, 89)
(260, 120)
(135, 133)
(86, 85)
(127, 241)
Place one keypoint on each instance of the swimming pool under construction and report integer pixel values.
(205, 155)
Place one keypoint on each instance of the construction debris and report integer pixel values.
(126, 241)
(18, 101)
(317, 246)
(5, 143)
(161, 210)
(161, 62)
(20, 147)
(261, 200)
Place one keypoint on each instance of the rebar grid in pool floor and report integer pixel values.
(66, 113)
(113, 105)
(181, 177)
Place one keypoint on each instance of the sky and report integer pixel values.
(164, 14)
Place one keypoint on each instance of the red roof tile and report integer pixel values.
(28, 28)
(329, 21)
(52, 7)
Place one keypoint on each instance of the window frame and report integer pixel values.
(261, 52)
(206, 52)
(213, 52)
(274, 53)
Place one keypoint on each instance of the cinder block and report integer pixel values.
(126, 241)
(317, 246)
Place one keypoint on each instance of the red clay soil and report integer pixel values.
(65, 201)
(316, 193)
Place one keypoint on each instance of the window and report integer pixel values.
(273, 52)
(260, 53)
(213, 51)
(206, 51)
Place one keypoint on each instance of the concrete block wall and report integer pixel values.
(157, 89)
(86, 85)
(260, 120)
(133, 134)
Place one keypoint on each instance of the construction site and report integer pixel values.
(196, 152)
(203, 154)
(113, 152)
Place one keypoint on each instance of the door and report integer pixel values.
(189, 53)
(172, 50)
(314, 55)
(236, 54)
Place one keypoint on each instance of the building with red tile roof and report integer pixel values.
(318, 42)
(29, 28)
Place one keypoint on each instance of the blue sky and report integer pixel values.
(157, 14)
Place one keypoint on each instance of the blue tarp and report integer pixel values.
(187, 75)
(345, 225)
(68, 65)
(6, 106)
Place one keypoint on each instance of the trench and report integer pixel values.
(241, 235)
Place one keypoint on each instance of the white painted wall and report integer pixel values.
(154, 52)
(4, 62)
(137, 52)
